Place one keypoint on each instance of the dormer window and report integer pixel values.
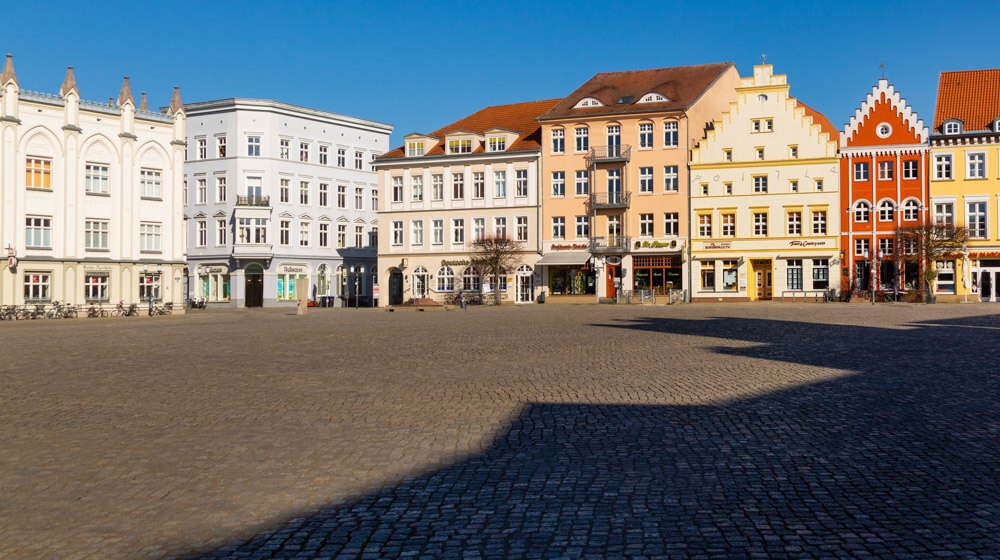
(588, 102)
(498, 143)
(460, 146)
(653, 98)
(414, 149)
(953, 127)
(996, 124)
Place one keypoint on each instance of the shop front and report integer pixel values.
(214, 283)
(287, 274)
(657, 273)
(984, 275)
(568, 275)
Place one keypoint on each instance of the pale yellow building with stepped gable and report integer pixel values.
(764, 199)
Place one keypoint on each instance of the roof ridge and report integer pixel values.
(665, 68)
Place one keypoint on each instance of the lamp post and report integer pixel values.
(354, 280)
(359, 279)
(149, 282)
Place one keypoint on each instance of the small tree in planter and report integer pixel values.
(924, 244)
(494, 257)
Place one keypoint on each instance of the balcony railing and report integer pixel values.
(253, 200)
(611, 244)
(608, 154)
(600, 200)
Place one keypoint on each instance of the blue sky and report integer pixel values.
(421, 65)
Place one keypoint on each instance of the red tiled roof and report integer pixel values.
(519, 117)
(819, 118)
(681, 84)
(970, 95)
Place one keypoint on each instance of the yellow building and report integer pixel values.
(965, 181)
(614, 179)
(765, 199)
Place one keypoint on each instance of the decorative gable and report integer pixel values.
(872, 113)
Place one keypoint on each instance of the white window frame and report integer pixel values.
(645, 136)
(397, 233)
(670, 133)
(96, 234)
(944, 166)
(671, 178)
(671, 224)
(985, 229)
(558, 136)
(861, 171)
(97, 178)
(558, 227)
(979, 172)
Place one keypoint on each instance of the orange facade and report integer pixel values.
(884, 170)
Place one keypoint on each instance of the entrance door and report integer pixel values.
(986, 285)
(396, 288)
(254, 289)
(762, 279)
(525, 289)
(420, 284)
(611, 274)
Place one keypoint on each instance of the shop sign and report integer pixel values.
(214, 269)
(718, 245)
(458, 262)
(96, 267)
(985, 255)
(656, 244)
(614, 260)
(568, 246)
(807, 243)
(292, 269)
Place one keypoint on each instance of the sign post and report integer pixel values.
(302, 295)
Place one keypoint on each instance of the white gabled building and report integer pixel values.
(274, 193)
(90, 197)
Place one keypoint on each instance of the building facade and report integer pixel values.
(965, 181)
(273, 193)
(764, 198)
(883, 186)
(90, 197)
(615, 179)
(444, 190)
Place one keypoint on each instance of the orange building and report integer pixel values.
(614, 185)
(884, 158)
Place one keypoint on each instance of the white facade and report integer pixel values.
(276, 192)
(91, 198)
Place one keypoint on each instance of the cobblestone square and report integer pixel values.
(688, 431)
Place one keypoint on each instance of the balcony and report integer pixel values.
(253, 201)
(607, 200)
(608, 154)
(607, 245)
(252, 251)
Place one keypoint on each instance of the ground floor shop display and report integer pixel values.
(417, 279)
(658, 273)
(30, 282)
(272, 282)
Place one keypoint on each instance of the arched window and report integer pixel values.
(524, 270)
(886, 211)
(445, 279)
(341, 281)
(861, 211)
(321, 279)
(471, 279)
(911, 210)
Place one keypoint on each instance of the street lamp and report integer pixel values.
(355, 282)
(360, 279)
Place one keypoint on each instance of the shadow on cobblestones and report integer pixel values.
(900, 460)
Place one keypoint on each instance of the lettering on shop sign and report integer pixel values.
(215, 270)
(723, 245)
(96, 267)
(655, 244)
(984, 255)
(564, 246)
(292, 269)
(807, 244)
(459, 262)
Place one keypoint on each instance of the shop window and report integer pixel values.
(730, 273)
(708, 276)
(571, 281)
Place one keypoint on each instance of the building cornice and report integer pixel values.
(445, 160)
(268, 105)
(884, 150)
(758, 164)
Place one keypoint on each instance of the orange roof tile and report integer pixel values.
(681, 84)
(518, 117)
(819, 118)
(972, 96)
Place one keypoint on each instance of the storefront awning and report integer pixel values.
(567, 258)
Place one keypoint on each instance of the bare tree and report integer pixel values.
(494, 257)
(926, 243)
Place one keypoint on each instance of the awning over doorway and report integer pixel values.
(564, 258)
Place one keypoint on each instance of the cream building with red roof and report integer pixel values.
(441, 191)
(965, 181)
(765, 199)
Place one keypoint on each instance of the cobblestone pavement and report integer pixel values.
(701, 431)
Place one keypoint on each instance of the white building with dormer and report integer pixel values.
(275, 192)
(90, 197)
